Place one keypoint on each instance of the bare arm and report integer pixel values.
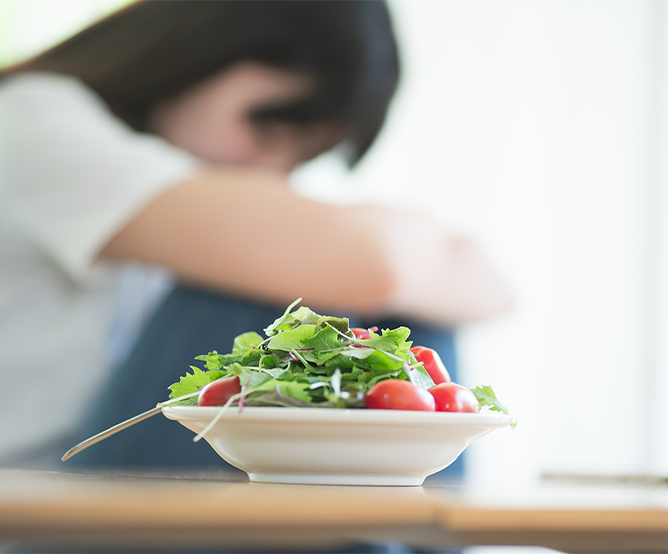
(244, 231)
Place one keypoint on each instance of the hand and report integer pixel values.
(444, 280)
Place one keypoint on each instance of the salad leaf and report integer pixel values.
(214, 361)
(194, 382)
(486, 397)
(326, 338)
(419, 377)
(313, 360)
(339, 323)
(245, 341)
(289, 320)
(276, 398)
(292, 339)
(392, 340)
(249, 377)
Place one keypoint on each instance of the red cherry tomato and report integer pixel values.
(363, 333)
(432, 363)
(360, 333)
(451, 397)
(218, 392)
(396, 394)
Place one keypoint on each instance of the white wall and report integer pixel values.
(28, 26)
(527, 125)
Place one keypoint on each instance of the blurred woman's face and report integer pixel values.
(213, 120)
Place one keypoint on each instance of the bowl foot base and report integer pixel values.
(337, 479)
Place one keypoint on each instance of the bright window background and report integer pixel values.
(537, 127)
(28, 26)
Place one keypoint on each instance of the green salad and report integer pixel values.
(308, 360)
(311, 360)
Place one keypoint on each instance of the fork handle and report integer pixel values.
(111, 431)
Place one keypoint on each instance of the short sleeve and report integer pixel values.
(71, 173)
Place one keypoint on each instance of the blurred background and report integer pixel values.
(540, 129)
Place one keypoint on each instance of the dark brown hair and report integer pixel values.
(152, 50)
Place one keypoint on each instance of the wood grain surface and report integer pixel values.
(189, 512)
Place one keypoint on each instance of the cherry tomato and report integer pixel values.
(451, 397)
(218, 392)
(432, 364)
(397, 394)
(363, 333)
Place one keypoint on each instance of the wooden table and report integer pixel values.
(205, 512)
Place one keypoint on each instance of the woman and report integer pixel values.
(165, 135)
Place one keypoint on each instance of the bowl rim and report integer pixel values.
(270, 414)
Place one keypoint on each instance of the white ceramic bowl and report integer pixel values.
(338, 447)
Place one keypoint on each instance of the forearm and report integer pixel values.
(449, 282)
(245, 232)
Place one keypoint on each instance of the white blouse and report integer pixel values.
(71, 175)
